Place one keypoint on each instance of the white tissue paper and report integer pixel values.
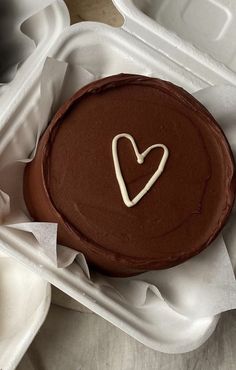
(201, 287)
(15, 46)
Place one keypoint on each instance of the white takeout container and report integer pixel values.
(44, 28)
(24, 296)
(197, 34)
(24, 302)
(142, 46)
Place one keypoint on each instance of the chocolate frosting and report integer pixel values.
(72, 179)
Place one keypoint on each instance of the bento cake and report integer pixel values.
(136, 172)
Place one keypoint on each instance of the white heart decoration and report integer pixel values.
(140, 160)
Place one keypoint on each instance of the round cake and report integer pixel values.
(136, 172)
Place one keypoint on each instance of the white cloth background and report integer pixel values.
(71, 340)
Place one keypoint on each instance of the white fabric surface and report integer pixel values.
(71, 340)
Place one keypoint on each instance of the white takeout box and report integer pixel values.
(162, 38)
(25, 297)
(24, 302)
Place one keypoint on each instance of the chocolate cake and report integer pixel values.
(136, 172)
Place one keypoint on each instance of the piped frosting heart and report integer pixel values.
(140, 159)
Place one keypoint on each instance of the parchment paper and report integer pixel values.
(201, 287)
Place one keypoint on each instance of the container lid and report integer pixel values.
(197, 34)
(44, 28)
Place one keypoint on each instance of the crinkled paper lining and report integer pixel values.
(201, 287)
